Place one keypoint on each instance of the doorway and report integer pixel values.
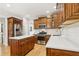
(1, 32)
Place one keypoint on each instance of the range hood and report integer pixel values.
(69, 22)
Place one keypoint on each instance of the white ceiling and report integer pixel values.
(27, 10)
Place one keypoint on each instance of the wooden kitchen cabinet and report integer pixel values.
(21, 47)
(58, 19)
(71, 11)
(66, 12)
(42, 20)
(49, 23)
(11, 26)
(11, 22)
(60, 52)
(36, 24)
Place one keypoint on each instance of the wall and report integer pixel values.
(5, 32)
(31, 27)
(71, 33)
(28, 27)
(0, 32)
(5, 35)
(25, 26)
(49, 31)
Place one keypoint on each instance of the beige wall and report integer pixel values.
(0, 30)
(5, 36)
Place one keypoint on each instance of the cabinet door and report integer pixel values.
(10, 27)
(75, 9)
(52, 24)
(36, 24)
(58, 19)
(71, 11)
(67, 10)
(49, 23)
(43, 20)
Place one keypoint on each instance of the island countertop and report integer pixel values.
(20, 37)
(63, 43)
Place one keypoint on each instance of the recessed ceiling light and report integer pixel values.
(54, 7)
(48, 16)
(8, 5)
(47, 11)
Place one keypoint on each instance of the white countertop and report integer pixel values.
(20, 37)
(61, 42)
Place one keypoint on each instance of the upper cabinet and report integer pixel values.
(58, 17)
(66, 13)
(36, 23)
(14, 25)
(42, 22)
(71, 11)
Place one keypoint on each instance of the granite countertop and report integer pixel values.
(61, 42)
(20, 37)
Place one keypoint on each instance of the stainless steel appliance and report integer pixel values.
(42, 26)
(41, 37)
(17, 30)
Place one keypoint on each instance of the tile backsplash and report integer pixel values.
(49, 31)
(72, 32)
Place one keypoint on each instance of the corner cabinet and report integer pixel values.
(58, 17)
(58, 20)
(66, 12)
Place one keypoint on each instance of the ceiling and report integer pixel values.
(27, 10)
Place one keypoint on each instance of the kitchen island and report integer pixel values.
(62, 46)
(21, 45)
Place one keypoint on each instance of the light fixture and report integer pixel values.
(47, 11)
(8, 5)
(54, 7)
(48, 16)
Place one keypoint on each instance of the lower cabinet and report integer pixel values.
(22, 47)
(58, 52)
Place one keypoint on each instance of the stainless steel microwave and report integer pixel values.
(42, 26)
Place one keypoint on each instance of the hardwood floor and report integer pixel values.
(39, 50)
(4, 51)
